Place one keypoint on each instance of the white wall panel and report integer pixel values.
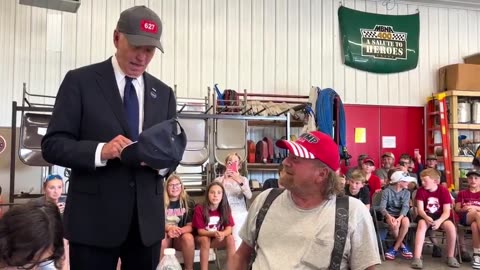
(232, 41)
(394, 95)
(258, 39)
(7, 43)
(100, 31)
(293, 40)
(38, 49)
(281, 46)
(207, 45)
(194, 47)
(372, 81)
(348, 79)
(167, 60)
(245, 45)
(219, 12)
(304, 48)
(182, 57)
(269, 46)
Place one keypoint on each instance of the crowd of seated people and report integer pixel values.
(420, 197)
(406, 197)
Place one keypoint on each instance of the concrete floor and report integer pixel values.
(429, 263)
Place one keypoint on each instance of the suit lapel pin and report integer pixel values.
(153, 93)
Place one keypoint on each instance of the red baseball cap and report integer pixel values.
(314, 145)
(369, 159)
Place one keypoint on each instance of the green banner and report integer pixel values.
(379, 43)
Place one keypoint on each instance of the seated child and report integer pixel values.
(434, 211)
(373, 182)
(178, 220)
(213, 221)
(468, 208)
(356, 188)
(395, 205)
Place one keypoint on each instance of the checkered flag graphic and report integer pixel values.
(399, 36)
(369, 34)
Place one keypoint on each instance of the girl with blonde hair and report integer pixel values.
(178, 220)
(237, 190)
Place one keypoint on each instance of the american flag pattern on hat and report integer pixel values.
(300, 151)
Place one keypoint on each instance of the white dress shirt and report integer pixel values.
(139, 85)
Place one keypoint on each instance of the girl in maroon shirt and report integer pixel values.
(213, 222)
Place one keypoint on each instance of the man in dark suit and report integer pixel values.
(113, 210)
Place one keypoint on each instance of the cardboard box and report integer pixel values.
(459, 77)
(472, 59)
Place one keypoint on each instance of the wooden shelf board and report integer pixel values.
(275, 123)
(462, 93)
(262, 166)
(465, 126)
(462, 159)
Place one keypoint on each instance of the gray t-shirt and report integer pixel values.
(293, 238)
(382, 173)
(395, 203)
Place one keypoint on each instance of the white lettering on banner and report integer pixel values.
(383, 42)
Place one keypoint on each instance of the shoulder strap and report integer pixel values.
(341, 232)
(274, 193)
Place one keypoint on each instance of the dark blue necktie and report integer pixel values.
(130, 102)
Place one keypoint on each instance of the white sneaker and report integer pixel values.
(476, 261)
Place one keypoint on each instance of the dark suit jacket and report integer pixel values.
(89, 110)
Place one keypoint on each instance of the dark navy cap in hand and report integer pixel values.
(160, 146)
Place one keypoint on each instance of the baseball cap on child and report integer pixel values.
(141, 26)
(388, 154)
(369, 160)
(401, 176)
(314, 145)
(472, 172)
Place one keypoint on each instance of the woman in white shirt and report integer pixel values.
(237, 190)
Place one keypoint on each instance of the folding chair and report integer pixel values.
(382, 227)
(32, 129)
(192, 166)
(229, 137)
(465, 230)
(440, 233)
(212, 256)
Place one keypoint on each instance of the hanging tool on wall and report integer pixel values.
(331, 119)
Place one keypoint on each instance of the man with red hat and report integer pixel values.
(298, 229)
(114, 209)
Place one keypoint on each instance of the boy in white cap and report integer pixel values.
(395, 205)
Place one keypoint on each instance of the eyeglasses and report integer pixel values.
(52, 177)
(174, 185)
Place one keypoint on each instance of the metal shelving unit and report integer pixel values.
(453, 97)
(27, 106)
